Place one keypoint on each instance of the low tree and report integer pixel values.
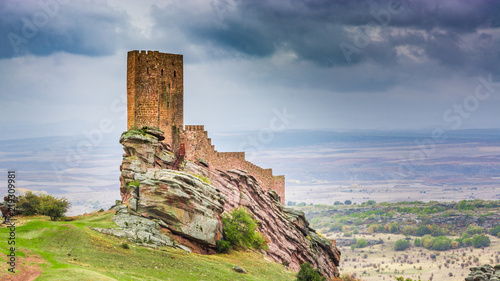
(47, 205)
(29, 204)
(347, 202)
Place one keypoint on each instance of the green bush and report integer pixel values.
(409, 230)
(361, 243)
(495, 231)
(47, 205)
(401, 245)
(472, 229)
(441, 243)
(308, 273)
(422, 230)
(240, 230)
(29, 204)
(417, 242)
(222, 246)
(347, 202)
(467, 241)
(437, 230)
(480, 240)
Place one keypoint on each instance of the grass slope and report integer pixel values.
(73, 251)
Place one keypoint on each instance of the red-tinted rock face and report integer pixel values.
(190, 202)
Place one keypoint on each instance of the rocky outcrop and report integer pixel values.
(189, 204)
(484, 273)
(136, 229)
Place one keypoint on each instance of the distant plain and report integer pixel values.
(320, 167)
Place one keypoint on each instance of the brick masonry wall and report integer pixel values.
(199, 146)
(155, 93)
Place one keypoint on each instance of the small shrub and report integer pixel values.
(125, 246)
(495, 231)
(417, 242)
(422, 230)
(401, 245)
(480, 240)
(240, 229)
(361, 243)
(441, 243)
(222, 246)
(472, 229)
(308, 273)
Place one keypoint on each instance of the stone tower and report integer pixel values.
(155, 92)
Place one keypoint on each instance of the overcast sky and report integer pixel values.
(332, 64)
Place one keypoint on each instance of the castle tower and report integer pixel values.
(155, 92)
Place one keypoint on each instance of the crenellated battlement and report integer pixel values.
(194, 128)
(155, 98)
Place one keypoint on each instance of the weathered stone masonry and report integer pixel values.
(155, 96)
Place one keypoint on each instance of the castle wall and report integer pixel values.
(199, 147)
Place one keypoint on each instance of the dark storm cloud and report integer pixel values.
(43, 27)
(331, 33)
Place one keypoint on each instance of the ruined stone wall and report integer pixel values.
(155, 94)
(199, 148)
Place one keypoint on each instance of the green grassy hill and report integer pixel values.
(71, 250)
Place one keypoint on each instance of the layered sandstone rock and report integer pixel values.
(188, 204)
(484, 273)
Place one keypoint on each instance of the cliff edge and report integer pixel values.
(186, 205)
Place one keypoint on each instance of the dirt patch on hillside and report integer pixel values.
(27, 268)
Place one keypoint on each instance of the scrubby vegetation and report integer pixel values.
(434, 221)
(44, 204)
(240, 231)
(401, 245)
(309, 273)
(431, 241)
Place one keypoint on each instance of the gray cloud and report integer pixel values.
(317, 30)
(245, 58)
(41, 28)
